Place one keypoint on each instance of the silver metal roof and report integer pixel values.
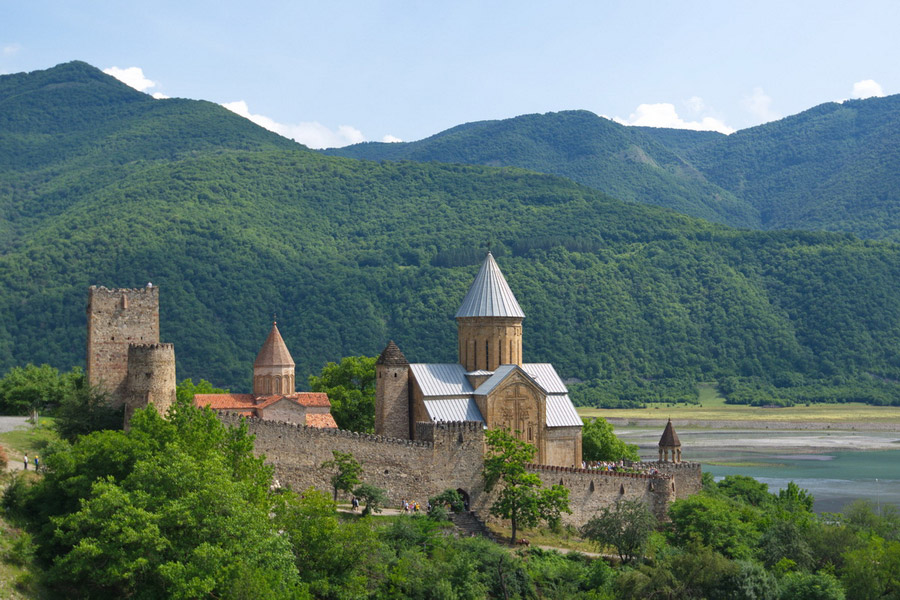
(561, 412)
(441, 379)
(489, 295)
(453, 409)
(502, 372)
(546, 377)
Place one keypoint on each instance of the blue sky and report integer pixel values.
(332, 73)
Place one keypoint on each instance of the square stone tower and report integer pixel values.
(117, 318)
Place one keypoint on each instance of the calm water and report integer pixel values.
(837, 467)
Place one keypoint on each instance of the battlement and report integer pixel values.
(141, 348)
(664, 466)
(596, 472)
(100, 289)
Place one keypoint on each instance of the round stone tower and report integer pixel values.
(392, 394)
(151, 378)
(273, 369)
(489, 322)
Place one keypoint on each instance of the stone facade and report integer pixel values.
(151, 378)
(451, 456)
(485, 343)
(117, 318)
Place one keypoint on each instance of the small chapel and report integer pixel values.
(490, 384)
(274, 396)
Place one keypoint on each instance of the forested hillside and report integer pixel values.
(624, 162)
(834, 167)
(235, 224)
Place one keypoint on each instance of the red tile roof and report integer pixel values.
(312, 399)
(325, 421)
(225, 401)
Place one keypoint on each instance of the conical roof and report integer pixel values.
(490, 295)
(669, 438)
(392, 356)
(273, 352)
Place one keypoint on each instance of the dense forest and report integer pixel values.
(100, 184)
(833, 167)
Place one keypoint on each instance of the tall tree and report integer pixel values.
(350, 386)
(626, 526)
(347, 472)
(522, 498)
(598, 442)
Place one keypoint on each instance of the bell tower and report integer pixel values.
(489, 322)
(273, 369)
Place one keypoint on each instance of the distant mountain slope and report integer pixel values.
(834, 167)
(234, 226)
(626, 162)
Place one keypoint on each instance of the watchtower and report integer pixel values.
(117, 318)
(392, 394)
(151, 378)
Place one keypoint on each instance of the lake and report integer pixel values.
(837, 467)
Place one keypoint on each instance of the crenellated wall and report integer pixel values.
(687, 475)
(444, 455)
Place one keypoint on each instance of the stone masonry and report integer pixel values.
(117, 318)
(451, 455)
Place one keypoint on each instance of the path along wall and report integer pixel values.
(449, 455)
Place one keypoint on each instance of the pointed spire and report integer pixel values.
(392, 356)
(274, 352)
(489, 295)
(669, 438)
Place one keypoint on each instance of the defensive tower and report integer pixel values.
(151, 378)
(392, 396)
(117, 318)
(489, 322)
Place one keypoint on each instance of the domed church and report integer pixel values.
(490, 384)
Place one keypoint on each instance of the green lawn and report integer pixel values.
(29, 439)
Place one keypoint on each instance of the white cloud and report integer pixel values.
(312, 134)
(759, 104)
(866, 89)
(159, 96)
(390, 139)
(132, 76)
(10, 49)
(664, 114)
(696, 104)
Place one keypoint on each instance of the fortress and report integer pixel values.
(430, 418)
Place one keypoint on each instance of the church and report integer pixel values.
(490, 384)
(274, 396)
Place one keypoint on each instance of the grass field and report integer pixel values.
(712, 407)
(32, 440)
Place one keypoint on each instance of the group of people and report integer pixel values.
(413, 506)
(36, 462)
(603, 466)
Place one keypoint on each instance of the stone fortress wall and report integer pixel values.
(450, 455)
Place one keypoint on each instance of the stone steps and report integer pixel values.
(469, 524)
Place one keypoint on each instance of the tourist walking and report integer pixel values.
(26, 462)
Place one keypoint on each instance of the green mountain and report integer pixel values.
(835, 167)
(103, 185)
(626, 162)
